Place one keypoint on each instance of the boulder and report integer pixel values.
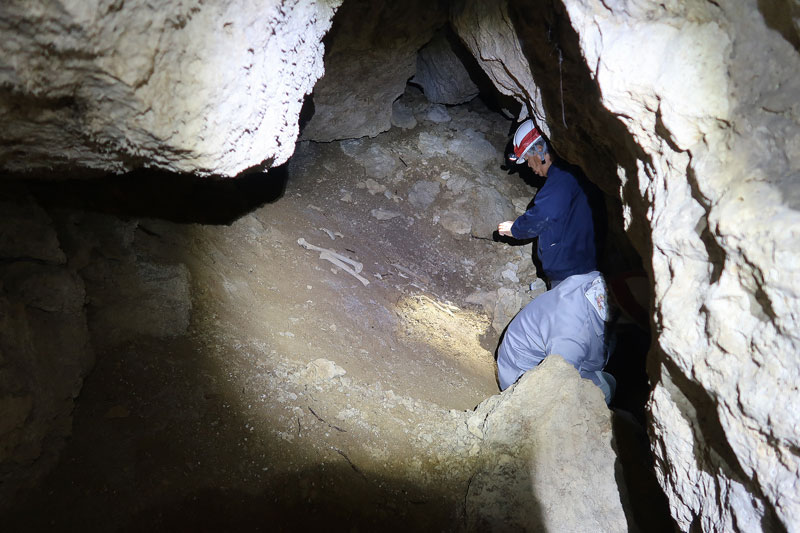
(442, 75)
(549, 419)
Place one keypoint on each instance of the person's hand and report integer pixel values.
(504, 228)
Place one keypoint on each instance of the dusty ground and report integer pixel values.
(244, 382)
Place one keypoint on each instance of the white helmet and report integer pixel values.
(524, 139)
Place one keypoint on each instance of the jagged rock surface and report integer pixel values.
(692, 105)
(442, 75)
(549, 419)
(371, 53)
(488, 32)
(190, 87)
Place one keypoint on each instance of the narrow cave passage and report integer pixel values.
(213, 346)
(299, 347)
(236, 367)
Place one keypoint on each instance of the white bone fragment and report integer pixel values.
(337, 259)
(358, 267)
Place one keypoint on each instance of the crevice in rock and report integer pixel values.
(716, 253)
(710, 433)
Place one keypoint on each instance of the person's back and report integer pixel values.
(570, 321)
(562, 215)
(567, 246)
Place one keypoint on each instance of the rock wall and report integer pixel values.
(689, 110)
(187, 87)
(371, 52)
(45, 348)
(72, 284)
(488, 32)
(441, 73)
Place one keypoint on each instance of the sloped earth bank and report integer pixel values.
(244, 382)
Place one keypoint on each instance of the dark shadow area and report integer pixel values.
(646, 508)
(164, 195)
(780, 16)
(627, 365)
(161, 443)
(306, 112)
(325, 498)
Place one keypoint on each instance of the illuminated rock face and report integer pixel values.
(529, 457)
(189, 87)
(697, 116)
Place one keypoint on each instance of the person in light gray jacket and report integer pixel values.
(572, 320)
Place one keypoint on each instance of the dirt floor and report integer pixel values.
(246, 383)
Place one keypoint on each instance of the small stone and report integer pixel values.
(510, 275)
(383, 214)
(438, 113)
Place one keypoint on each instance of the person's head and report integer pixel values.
(531, 148)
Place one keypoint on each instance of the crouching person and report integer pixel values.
(573, 321)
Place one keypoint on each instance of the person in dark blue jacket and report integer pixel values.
(561, 215)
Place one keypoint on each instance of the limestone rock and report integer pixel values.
(521, 483)
(371, 55)
(690, 110)
(209, 88)
(442, 75)
(474, 149)
(321, 370)
(487, 30)
(438, 113)
(44, 346)
(384, 214)
(485, 207)
(423, 194)
(456, 222)
(402, 116)
(507, 305)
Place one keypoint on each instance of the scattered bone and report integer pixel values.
(308, 246)
(383, 214)
(337, 259)
(331, 234)
(402, 270)
(445, 307)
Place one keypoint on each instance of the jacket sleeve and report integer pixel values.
(551, 202)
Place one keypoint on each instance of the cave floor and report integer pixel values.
(294, 395)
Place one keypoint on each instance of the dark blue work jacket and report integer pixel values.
(561, 216)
